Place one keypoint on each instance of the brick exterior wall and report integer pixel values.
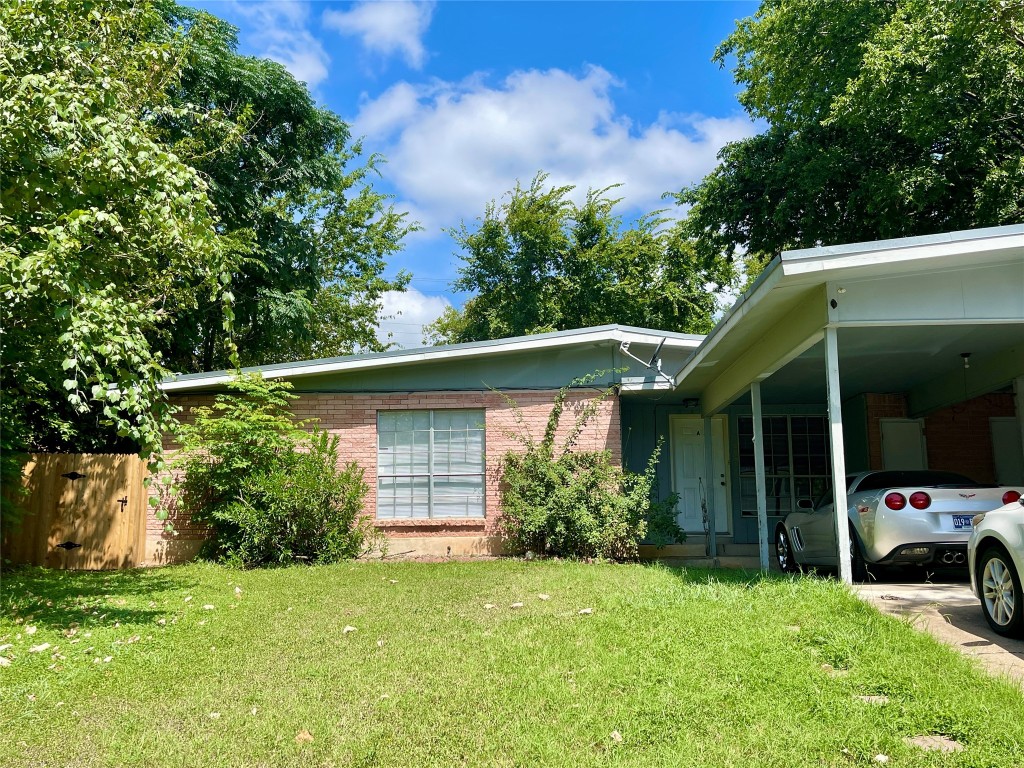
(958, 438)
(354, 419)
(892, 406)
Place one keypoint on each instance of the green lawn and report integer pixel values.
(672, 667)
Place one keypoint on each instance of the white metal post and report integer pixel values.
(762, 494)
(710, 487)
(835, 421)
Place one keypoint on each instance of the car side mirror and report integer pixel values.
(804, 504)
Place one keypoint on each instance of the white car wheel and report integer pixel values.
(1001, 597)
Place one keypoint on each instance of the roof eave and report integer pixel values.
(600, 334)
(810, 266)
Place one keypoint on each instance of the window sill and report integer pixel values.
(431, 522)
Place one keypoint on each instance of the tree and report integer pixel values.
(315, 235)
(540, 262)
(105, 234)
(885, 119)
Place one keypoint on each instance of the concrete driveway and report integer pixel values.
(942, 603)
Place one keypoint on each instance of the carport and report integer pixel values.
(927, 322)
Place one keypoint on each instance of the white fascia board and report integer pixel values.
(895, 255)
(311, 368)
(763, 286)
(206, 381)
(647, 385)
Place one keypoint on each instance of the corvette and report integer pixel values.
(896, 517)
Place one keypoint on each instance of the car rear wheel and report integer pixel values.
(784, 550)
(1002, 601)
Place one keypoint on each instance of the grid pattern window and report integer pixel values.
(430, 464)
(796, 462)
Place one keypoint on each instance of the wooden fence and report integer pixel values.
(83, 512)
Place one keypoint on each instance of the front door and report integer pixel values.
(903, 444)
(1007, 451)
(691, 480)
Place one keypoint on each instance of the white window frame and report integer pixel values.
(791, 475)
(431, 474)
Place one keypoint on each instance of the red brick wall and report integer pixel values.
(959, 438)
(354, 418)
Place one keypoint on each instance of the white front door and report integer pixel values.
(689, 478)
(1006, 450)
(903, 444)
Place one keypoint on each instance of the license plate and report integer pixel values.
(961, 522)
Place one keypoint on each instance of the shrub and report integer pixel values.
(559, 501)
(272, 493)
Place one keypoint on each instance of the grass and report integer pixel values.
(672, 667)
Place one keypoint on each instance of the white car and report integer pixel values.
(897, 517)
(996, 559)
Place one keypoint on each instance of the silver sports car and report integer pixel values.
(896, 518)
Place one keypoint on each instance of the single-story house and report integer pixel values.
(901, 353)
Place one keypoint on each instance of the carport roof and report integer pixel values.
(790, 298)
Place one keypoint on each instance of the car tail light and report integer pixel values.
(920, 500)
(1010, 496)
(895, 500)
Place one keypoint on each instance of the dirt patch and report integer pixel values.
(935, 742)
(874, 699)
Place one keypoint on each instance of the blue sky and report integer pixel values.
(464, 98)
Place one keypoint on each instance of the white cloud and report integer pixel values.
(452, 147)
(386, 28)
(405, 313)
(279, 30)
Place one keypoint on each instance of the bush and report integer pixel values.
(271, 492)
(303, 509)
(577, 503)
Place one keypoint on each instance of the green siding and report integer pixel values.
(535, 369)
(644, 423)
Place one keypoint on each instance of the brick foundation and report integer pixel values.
(354, 419)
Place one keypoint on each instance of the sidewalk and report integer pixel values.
(949, 610)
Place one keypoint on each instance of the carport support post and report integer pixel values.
(710, 487)
(762, 493)
(835, 421)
